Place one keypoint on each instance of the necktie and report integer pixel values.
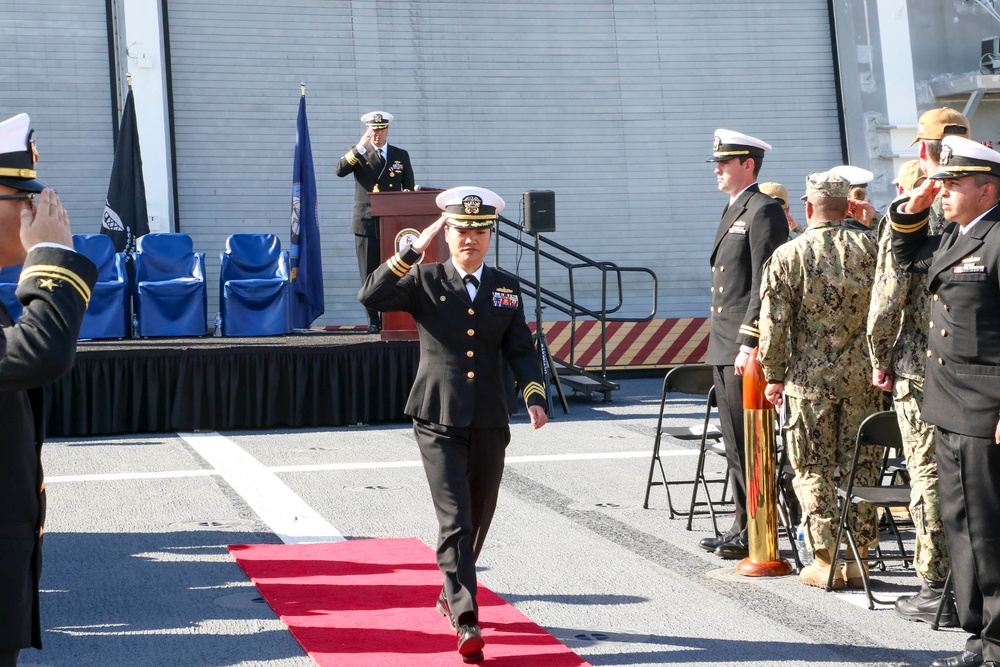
(471, 285)
(377, 156)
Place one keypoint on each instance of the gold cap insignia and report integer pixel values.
(31, 145)
(717, 144)
(472, 204)
(377, 118)
(945, 154)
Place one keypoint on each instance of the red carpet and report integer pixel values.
(371, 603)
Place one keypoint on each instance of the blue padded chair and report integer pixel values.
(171, 298)
(254, 285)
(107, 315)
(8, 284)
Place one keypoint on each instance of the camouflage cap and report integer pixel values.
(909, 174)
(826, 184)
(937, 124)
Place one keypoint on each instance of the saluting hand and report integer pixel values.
(48, 222)
(922, 197)
(365, 138)
(538, 416)
(424, 240)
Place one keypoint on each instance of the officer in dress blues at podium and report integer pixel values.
(377, 167)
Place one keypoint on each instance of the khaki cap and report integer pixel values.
(776, 191)
(826, 184)
(937, 124)
(909, 173)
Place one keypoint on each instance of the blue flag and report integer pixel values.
(306, 259)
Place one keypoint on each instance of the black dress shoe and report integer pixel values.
(470, 641)
(374, 328)
(473, 658)
(963, 659)
(735, 548)
(713, 543)
(443, 609)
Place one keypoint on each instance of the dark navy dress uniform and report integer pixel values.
(54, 287)
(373, 174)
(962, 393)
(750, 229)
(458, 402)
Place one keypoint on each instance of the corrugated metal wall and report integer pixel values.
(610, 104)
(56, 69)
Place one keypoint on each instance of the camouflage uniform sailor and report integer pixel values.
(814, 306)
(897, 343)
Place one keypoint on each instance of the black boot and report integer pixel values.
(924, 605)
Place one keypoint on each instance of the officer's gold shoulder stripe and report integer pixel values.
(52, 271)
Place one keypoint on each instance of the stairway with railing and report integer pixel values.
(612, 306)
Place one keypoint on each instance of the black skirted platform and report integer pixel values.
(158, 385)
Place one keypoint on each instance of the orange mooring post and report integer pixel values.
(762, 524)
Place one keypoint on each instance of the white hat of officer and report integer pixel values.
(18, 155)
(729, 145)
(853, 175)
(469, 207)
(964, 157)
(377, 120)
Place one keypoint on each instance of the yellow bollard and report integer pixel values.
(762, 519)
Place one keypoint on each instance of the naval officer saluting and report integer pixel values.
(377, 167)
(467, 315)
(962, 384)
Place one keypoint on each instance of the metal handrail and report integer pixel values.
(568, 304)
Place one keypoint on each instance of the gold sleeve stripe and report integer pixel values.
(398, 266)
(533, 388)
(52, 271)
(351, 160)
(18, 173)
(749, 330)
(907, 229)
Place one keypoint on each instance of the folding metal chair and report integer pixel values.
(877, 430)
(692, 380)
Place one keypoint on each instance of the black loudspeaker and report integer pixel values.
(539, 211)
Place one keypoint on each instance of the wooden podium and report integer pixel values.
(402, 216)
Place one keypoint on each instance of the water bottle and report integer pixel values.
(135, 325)
(805, 554)
(218, 325)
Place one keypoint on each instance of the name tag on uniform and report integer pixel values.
(504, 297)
(739, 227)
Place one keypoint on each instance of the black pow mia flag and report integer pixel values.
(125, 215)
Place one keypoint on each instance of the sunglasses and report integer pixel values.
(21, 196)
